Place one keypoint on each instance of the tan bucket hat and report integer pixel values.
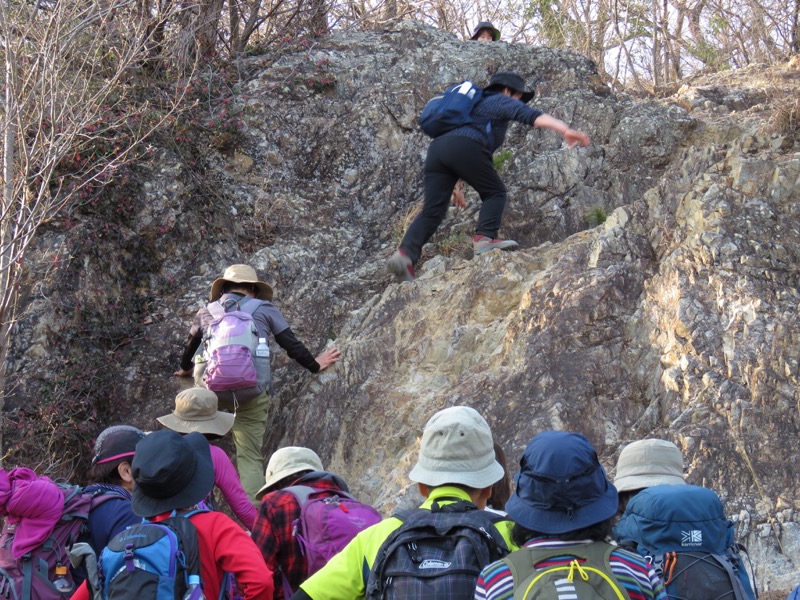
(457, 447)
(645, 463)
(240, 274)
(287, 461)
(196, 410)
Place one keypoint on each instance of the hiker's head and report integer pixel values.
(645, 463)
(196, 410)
(561, 487)
(113, 453)
(172, 471)
(501, 491)
(286, 465)
(510, 83)
(240, 277)
(457, 449)
(485, 32)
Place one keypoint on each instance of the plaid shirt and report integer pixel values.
(272, 533)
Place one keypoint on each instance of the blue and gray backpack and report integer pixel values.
(153, 560)
(683, 531)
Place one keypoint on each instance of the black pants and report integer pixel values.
(450, 159)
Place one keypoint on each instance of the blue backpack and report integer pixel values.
(450, 109)
(153, 560)
(683, 531)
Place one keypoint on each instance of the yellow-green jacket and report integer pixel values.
(346, 574)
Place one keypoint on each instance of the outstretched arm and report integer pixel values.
(573, 137)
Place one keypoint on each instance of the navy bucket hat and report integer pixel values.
(561, 485)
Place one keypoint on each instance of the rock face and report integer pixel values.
(656, 294)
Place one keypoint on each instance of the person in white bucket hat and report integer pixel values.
(456, 468)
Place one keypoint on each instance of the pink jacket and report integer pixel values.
(32, 503)
(227, 480)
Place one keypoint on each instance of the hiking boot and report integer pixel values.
(400, 266)
(482, 243)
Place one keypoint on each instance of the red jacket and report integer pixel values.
(224, 547)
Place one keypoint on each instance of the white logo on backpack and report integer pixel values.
(434, 564)
(693, 537)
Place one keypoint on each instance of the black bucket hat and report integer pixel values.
(512, 81)
(171, 471)
(486, 25)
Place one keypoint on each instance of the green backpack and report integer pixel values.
(587, 575)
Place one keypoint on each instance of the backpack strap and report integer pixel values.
(216, 309)
(522, 565)
(458, 506)
(302, 493)
(246, 304)
(738, 588)
(486, 522)
(187, 534)
(250, 305)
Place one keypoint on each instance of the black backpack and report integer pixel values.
(436, 553)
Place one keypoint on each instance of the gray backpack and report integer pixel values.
(586, 576)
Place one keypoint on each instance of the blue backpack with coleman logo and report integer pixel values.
(436, 553)
(683, 531)
(451, 109)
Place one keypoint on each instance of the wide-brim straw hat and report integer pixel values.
(196, 410)
(240, 274)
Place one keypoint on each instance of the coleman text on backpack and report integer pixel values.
(450, 109)
(229, 353)
(44, 573)
(683, 529)
(328, 520)
(581, 572)
(152, 560)
(436, 553)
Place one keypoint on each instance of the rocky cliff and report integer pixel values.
(656, 292)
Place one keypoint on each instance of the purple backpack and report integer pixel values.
(326, 524)
(32, 576)
(230, 343)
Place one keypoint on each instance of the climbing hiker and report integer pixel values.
(239, 290)
(196, 410)
(564, 508)
(466, 153)
(173, 474)
(681, 528)
(455, 472)
(289, 525)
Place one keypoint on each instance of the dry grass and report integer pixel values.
(406, 218)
